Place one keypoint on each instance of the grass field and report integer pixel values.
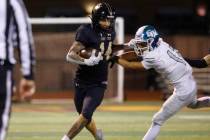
(128, 121)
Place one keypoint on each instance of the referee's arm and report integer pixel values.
(24, 39)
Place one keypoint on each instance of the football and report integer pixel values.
(86, 53)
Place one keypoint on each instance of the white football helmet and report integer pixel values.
(146, 39)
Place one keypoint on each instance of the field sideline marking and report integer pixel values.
(128, 108)
(138, 108)
(67, 108)
(194, 117)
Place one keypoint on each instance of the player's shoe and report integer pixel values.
(99, 135)
(65, 137)
(208, 100)
(204, 102)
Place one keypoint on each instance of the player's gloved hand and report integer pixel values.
(114, 59)
(132, 43)
(93, 60)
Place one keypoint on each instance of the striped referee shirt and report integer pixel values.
(15, 31)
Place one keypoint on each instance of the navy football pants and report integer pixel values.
(88, 98)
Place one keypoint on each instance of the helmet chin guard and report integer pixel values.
(138, 46)
(140, 49)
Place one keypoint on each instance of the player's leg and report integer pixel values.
(5, 99)
(85, 106)
(91, 127)
(172, 105)
(91, 102)
(200, 102)
(97, 133)
(81, 121)
(77, 126)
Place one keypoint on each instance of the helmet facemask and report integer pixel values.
(140, 47)
(107, 23)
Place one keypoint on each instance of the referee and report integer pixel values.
(15, 32)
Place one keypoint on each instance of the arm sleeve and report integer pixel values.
(24, 38)
(196, 63)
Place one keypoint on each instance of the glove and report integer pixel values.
(93, 60)
(114, 59)
(132, 43)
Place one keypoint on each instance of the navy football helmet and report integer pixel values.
(103, 11)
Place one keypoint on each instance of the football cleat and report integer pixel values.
(99, 135)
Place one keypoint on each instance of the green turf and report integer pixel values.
(50, 122)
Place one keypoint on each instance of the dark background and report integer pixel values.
(169, 16)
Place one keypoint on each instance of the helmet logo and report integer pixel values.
(151, 33)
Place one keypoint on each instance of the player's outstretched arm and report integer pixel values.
(130, 64)
(127, 60)
(199, 63)
(118, 47)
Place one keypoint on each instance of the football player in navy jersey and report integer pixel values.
(91, 75)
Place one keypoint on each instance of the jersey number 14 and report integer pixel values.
(107, 53)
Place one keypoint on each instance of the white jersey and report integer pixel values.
(169, 62)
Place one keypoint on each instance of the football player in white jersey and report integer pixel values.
(166, 60)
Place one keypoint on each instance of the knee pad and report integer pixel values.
(158, 119)
(87, 114)
(161, 116)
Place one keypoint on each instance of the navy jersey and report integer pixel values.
(102, 41)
